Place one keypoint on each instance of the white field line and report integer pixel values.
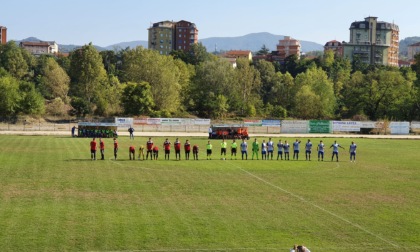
(319, 207)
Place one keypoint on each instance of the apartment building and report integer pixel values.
(3, 35)
(40, 47)
(288, 46)
(239, 54)
(373, 42)
(166, 36)
(161, 37)
(413, 50)
(335, 46)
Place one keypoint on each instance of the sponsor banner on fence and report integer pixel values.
(201, 121)
(346, 126)
(399, 128)
(369, 125)
(153, 121)
(270, 123)
(140, 121)
(171, 121)
(415, 125)
(252, 122)
(319, 126)
(294, 126)
(124, 121)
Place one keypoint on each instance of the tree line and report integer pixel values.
(141, 82)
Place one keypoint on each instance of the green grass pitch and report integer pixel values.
(54, 198)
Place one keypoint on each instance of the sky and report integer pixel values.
(107, 22)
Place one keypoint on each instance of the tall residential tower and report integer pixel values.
(373, 42)
(166, 36)
(3, 35)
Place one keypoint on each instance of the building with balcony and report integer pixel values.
(166, 36)
(186, 34)
(3, 35)
(161, 37)
(335, 46)
(413, 50)
(373, 42)
(40, 47)
(287, 47)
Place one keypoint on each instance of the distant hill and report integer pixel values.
(405, 43)
(253, 42)
(132, 44)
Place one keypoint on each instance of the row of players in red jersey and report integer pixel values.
(151, 149)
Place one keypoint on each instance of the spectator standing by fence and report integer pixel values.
(131, 131)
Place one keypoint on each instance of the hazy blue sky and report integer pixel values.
(106, 22)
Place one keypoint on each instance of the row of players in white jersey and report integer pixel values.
(267, 149)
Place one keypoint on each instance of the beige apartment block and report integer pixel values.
(373, 42)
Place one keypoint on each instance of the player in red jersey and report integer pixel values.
(93, 149)
(155, 152)
(102, 148)
(132, 152)
(115, 148)
(195, 152)
(187, 148)
(167, 146)
(149, 147)
(177, 145)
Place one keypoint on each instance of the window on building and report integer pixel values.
(161, 41)
(362, 26)
(179, 47)
(180, 35)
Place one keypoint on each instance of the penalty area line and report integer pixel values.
(318, 207)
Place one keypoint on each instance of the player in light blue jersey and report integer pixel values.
(286, 147)
(264, 150)
(270, 148)
(296, 150)
(280, 150)
(320, 148)
(244, 149)
(308, 150)
(352, 151)
(335, 147)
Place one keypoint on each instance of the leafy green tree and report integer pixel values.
(214, 78)
(378, 94)
(87, 73)
(160, 71)
(55, 82)
(9, 96)
(137, 99)
(267, 72)
(264, 50)
(80, 107)
(12, 59)
(31, 102)
(249, 84)
(89, 80)
(315, 95)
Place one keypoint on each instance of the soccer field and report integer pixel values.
(54, 198)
